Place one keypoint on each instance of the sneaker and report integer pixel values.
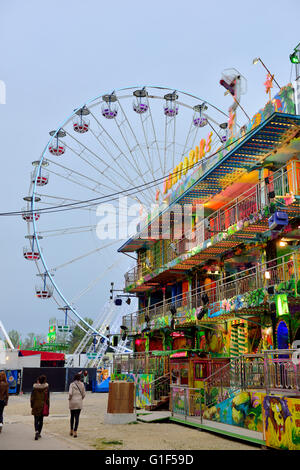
(1, 427)
(36, 436)
(75, 433)
(71, 432)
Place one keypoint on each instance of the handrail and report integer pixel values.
(225, 285)
(259, 192)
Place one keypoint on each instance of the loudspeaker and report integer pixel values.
(278, 220)
(201, 313)
(271, 194)
(115, 341)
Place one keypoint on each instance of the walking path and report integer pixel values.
(93, 434)
(19, 436)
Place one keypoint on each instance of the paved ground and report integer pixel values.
(18, 432)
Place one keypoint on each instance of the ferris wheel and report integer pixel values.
(119, 144)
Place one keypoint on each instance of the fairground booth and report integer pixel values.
(215, 336)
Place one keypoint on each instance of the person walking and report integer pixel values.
(40, 403)
(3, 395)
(76, 396)
(85, 379)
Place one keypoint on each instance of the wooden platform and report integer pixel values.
(236, 432)
(152, 416)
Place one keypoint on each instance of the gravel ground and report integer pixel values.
(93, 434)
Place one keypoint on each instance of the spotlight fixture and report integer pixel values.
(294, 57)
(201, 313)
(271, 194)
(271, 290)
(147, 318)
(145, 330)
(173, 324)
(123, 327)
(258, 59)
(267, 181)
(205, 299)
(128, 301)
(124, 336)
(118, 301)
(173, 310)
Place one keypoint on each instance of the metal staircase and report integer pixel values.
(96, 350)
(160, 393)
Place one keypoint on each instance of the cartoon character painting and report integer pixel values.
(278, 423)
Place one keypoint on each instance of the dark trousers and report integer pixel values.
(38, 423)
(74, 418)
(2, 405)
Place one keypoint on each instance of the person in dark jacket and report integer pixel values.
(3, 395)
(39, 399)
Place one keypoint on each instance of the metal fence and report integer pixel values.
(282, 371)
(141, 363)
(264, 275)
(275, 371)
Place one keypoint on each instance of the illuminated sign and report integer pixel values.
(282, 306)
(179, 354)
(188, 163)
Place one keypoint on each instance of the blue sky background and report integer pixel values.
(56, 55)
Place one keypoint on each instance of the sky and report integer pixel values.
(56, 55)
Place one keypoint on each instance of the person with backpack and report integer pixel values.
(3, 395)
(40, 403)
(76, 396)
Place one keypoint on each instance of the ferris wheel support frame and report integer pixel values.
(54, 134)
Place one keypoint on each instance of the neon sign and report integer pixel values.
(188, 163)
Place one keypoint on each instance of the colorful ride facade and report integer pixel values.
(218, 281)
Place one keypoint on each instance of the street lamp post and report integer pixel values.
(258, 59)
(295, 59)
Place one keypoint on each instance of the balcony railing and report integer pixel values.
(284, 181)
(141, 363)
(274, 371)
(262, 276)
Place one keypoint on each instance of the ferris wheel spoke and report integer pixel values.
(74, 172)
(66, 231)
(155, 140)
(121, 127)
(95, 281)
(129, 131)
(114, 159)
(105, 163)
(104, 134)
(102, 173)
(78, 258)
(113, 144)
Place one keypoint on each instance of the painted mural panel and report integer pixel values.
(282, 422)
(241, 409)
(142, 386)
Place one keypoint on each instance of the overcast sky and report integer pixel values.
(56, 55)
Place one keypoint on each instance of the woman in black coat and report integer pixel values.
(40, 403)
